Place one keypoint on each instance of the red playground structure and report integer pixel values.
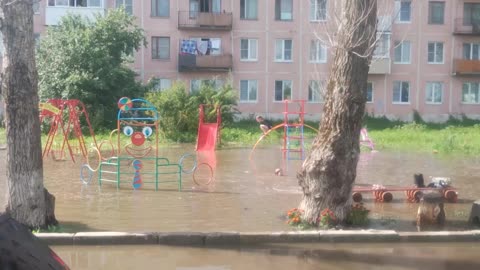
(56, 111)
(208, 133)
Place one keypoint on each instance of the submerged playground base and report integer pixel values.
(255, 238)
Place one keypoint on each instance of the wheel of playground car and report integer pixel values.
(202, 181)
(194, 166)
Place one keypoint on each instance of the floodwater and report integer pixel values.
(244, 195)
(302, 257)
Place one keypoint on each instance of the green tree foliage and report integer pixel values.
(86, 60)
(178, 109)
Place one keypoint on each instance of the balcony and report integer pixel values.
(466, 67)
(380, 66)
(204, 20)
(53, 14)
(466, 28)
(191, 62)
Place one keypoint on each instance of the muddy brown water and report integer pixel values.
(305, 257)
(245, 195)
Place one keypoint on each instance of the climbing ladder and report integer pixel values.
(293, 136)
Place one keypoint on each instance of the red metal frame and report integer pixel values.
(286, 113)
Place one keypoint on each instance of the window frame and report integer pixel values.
(316, 47)
(321, 94)
(435, 43)
(471, 50)
(432, 94)
(158, 48)
(316, 10)
(430, 12)
(248, 91)
(158, 86)
(470, 92)
(366, 91)
(398, 12)
(125, 5)
(249, 53)
(245, 7)
(401, 88)
(216, 83)
(283, 51)
(157, 4)
(399, 45)
(283, 90)
(278, 6)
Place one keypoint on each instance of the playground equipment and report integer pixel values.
(208, 133)
(56, 110)
(137, 119)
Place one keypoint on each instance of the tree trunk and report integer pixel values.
(25, 193)
(328, 173)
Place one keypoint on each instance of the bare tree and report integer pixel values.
(27, 200)
(329, 171)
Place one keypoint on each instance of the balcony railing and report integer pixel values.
(380, 66)
(466, 67)
(463, 27)
(191, 62)
(204, 20)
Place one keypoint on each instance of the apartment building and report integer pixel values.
(427, 58)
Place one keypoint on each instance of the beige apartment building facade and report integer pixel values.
(427, 58)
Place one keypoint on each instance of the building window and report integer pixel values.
(162, 84)
(248, 49)
(160, 8)
(127, 4)
(471, 93)
(196, 85)
(36, 7)
(283, 90)
(72, 3)
(208, 6)
(316, 91)
(382, 49)
(283, 10)
(403, 11)
(435, 52)
(283, 50)
(471, 51)
(161, 48)
(401, 92)
(36, 37)
(402, 52)
(248, 91)
(318, 52)
(369, 92)
(471, 14)
(434, 93)
(436, 11)
(248, 9)
(318, 10)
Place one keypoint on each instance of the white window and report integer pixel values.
(248, 9)
(471, 51)
(435, 52)
(318, 10)
(161, 48)
(283, 10)
(318, 52)
(403, 9)
(160, 8)
(434, 93)
(72, 3)
(401, 92)
(283, 90)
(127, 4)
(283, 50)
(382, 49)
(162, 84)
(316, 91)
(248, 49)
(436, 11)
(402, 52)
(369, 92)
(471, 93)
(36, 7)
(248, 91)
(196, 85)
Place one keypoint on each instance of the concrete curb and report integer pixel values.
(253, 238)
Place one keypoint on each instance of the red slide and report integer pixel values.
(207, 137)
(208, 133)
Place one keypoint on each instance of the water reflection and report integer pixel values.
(243, 197)
(312, 256)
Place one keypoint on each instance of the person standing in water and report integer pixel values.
(265, 125)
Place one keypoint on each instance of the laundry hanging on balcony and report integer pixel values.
(188, 47)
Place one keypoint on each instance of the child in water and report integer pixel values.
(265, 125)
